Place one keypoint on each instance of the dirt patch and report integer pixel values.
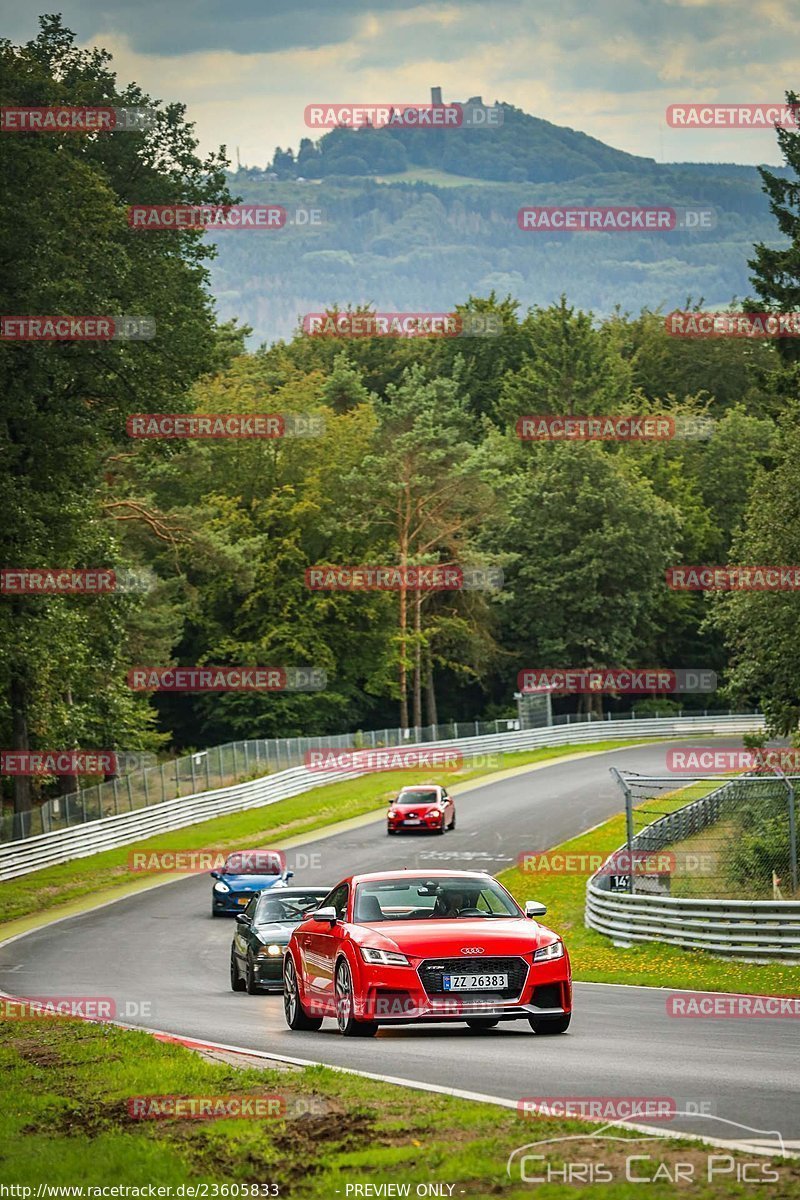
(35, 1052)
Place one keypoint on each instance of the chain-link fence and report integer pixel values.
(709, 837)
(221, 766)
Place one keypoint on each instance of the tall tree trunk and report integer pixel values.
(418, 659)
(18, 703)
(430, 692)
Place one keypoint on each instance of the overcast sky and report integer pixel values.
(247, 68)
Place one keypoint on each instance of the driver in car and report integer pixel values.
(452, 903)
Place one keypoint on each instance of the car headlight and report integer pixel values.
(271, 951)
(386, 958)
(548, 953)
(391, 813)
(221, 887)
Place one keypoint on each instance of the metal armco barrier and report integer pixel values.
(30, 854)
(756, 929)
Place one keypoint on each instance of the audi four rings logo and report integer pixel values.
(472, 950)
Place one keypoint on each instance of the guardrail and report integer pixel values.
(757, 929)
(31, 854)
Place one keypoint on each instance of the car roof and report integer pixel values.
(277, 893)
(400, 872)
(408, 787)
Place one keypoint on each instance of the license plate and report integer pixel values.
(473, 983)
(243, 900)
(412, 821)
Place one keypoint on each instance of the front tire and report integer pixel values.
(550, 1025)
(453, 822)
(237, 984)
(345, 1005)
(296, 1017)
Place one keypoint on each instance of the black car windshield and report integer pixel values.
(420, 796)
(252, 862)
(404, 899)
(288, 910)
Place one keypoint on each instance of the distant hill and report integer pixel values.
(421, 219)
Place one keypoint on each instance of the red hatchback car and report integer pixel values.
(399, 947)
(422, 807)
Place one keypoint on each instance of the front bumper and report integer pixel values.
(396, 996)
(424, 825)
(231, 902)
(269, 970)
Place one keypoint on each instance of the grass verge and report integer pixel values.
(595, 959)
(66, 1121)
(55, 887)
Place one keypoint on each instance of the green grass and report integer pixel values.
(57, 886)
(596, 959)
(65, 1121)
(434, 176)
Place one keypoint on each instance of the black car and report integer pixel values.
(262, 934)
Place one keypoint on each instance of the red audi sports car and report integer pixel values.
(422, 806)
(399, 947)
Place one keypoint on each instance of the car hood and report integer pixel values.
(275, 931)
(250, 883)
(516, 935)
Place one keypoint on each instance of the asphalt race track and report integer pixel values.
(163, 958)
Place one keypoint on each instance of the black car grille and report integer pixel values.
(432, 970)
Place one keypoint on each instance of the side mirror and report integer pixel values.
(325, 914)
(534, 909)
(214, 874)
(289, 874)
(242, 919)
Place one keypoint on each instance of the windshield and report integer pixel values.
(252, 862)
(289, 910)
(432, 899)
(422, 796)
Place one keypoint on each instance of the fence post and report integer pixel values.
(628, 823)
(194, 779)
(792, 826)
(130, 794)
